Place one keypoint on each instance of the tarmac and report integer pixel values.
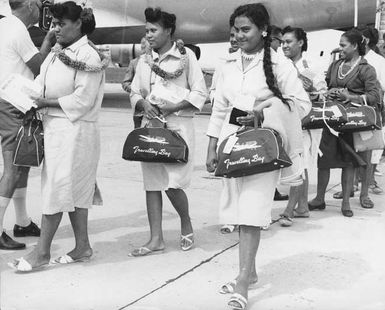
(324, 262)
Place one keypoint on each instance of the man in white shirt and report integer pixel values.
(17, 55)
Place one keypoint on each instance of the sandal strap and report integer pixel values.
(187, 237)
(238, 298)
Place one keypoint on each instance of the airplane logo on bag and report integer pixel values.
(250, 145)
(149, 139)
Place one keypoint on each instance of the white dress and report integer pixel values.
(161, 176)
(71, 134)
(248, 200)
(311, 138)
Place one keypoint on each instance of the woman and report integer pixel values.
(313, 80)
(349, 79)
(250, 80)
(72, 77)
(167, 61)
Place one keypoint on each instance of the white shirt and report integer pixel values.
(80, 93)
(191, 78)
(305, 66)
(378, 62)
(16, 48)
(240, 88)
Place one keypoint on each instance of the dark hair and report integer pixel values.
(299, 33)
(355, 37)
(16, 4)
(371, 33)
(167, 20)
(275, 30)
(258, 15)
(70, 10)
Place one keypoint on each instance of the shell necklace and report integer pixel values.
(342, 75)
(248, 57)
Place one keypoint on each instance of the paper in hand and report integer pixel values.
(18, 90)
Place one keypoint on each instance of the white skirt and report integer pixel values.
(246, 200)
(71, 155)
(162, 176)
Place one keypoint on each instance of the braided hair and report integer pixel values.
(258, 15)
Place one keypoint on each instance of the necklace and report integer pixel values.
(80, 65)
(342, 75)
(248, 57)
(165, 74)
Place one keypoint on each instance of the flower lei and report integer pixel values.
(165, 74)
(80, 65)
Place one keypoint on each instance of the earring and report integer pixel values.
(264, 34)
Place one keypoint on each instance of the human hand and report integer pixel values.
(150, 111)
(247, 120)
(40, 102)
(126, 86)
(307, 83)
(343, 95)
(332, 93)
(167, 108)
(51, 36)
(212, 160)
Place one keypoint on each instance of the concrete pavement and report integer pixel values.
(324, 262)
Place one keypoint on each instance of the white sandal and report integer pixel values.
(189, 239)
(238, 298)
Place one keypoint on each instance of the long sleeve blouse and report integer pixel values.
(80, 93)
(241, 88)
(191, 78)
(361, 81)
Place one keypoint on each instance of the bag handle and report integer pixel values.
(159, 119)
(332, 131)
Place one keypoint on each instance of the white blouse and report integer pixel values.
(80, 93)
(241, 88)
(191, 78)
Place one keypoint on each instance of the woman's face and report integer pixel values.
(156, 35)
(66, 31)
(347, 49)
(291, 46)
(247, 34)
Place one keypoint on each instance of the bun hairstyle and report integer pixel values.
(355, 37)
(372, 34)
(70, 10)
(299, 33)
(258, 15)
(166, 20)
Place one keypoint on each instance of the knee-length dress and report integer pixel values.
(338, 151)
(248, 200)
(71, 134)
(162, 176)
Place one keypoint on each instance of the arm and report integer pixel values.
(372, 88)
(212, 158)
(136, 96)
(198, 91)
(291, 86)
(129, 76)
(35, 62)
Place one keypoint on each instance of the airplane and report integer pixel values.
(207, 21)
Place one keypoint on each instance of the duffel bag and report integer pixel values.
(251, 151)
(155, 144)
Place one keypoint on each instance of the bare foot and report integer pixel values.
(79, 253)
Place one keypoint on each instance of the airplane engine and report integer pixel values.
(122, 54)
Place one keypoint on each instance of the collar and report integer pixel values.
(173, 52)
(76, 45)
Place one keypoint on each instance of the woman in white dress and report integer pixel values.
(72, 77)
(167, 61)
(255, 73)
